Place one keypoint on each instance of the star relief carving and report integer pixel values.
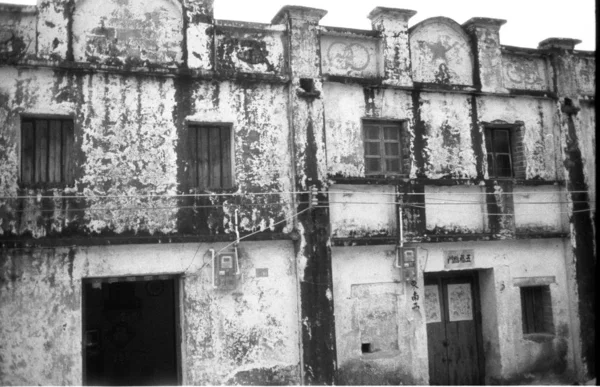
(439, 49)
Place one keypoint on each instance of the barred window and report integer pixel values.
(46, 151)
(211, 156)
(536, 306)
(499, 152)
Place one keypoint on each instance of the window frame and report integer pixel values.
(29, 146)
(536, 310)
(194, 156)
(398, 125)
(490, 131)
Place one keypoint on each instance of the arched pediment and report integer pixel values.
(441, 52)
(137, 32)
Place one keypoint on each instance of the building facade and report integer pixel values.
(199, 201)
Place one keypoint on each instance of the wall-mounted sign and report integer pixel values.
(458, 258)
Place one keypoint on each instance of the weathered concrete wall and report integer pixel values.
(350, 55)
(246, 48)
(518, 354)
(526, 72)
(540, 130)
(17, 33)
(134, 32)
(346, 107)
(586, 135)
(362, 211)
(456, 210)
(585, 74)
(249, 335)
(367, 272)
(441, 53)
(373, 306)
(448, 150)
(540, 209)
(126, 145)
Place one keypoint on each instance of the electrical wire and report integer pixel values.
(151, 195)
(97, 197)
(244, 237)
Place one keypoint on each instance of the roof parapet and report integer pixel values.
(558, 43)
(311, 15)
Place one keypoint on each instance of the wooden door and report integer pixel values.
(453, 330)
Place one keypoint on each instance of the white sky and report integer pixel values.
(528, 21)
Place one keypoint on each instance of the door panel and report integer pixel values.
(453, 336)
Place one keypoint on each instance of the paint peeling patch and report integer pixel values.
(249, 51)
(376, 370)
(266, 376)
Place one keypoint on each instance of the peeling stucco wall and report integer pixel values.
(129, 31)
(448, 150)
(363, 277)
(346, 107)
(517, 355)
(362, 211)
(525, 72)
(441, 53)
(348, 55)
(247, 334)
(248, 50)
(540, 128)
(455, 210)
(17, 34)
(126, 139)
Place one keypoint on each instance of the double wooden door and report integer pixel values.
(453, 330)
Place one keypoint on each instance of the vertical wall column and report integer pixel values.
(485, 38)
(199, 34)
(393, 25)
(560, 51)
(313, 251)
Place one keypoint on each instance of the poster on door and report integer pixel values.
(460, 303)
(432, 304)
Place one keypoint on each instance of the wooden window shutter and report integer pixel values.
(46, 151)
(210, 163)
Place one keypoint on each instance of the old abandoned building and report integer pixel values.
(199, 201)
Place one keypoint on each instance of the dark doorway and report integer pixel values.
(130, 332)
(454, 329)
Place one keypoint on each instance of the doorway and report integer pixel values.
(454, 329)
(130, 331)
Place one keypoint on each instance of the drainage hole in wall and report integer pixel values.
(365, 347)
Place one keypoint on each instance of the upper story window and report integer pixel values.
(211, 156)
(499, 153)
(46, 151)
(383, 148)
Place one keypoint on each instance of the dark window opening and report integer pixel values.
(211, 156)
(499, 152)
(46, 151)
(536, 306)
(383, 148)
(365, 348)
(307, 84)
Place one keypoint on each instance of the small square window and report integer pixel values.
(46, 151)
(499, 152)
(383, 148)
(536, 307)
(211, 156)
